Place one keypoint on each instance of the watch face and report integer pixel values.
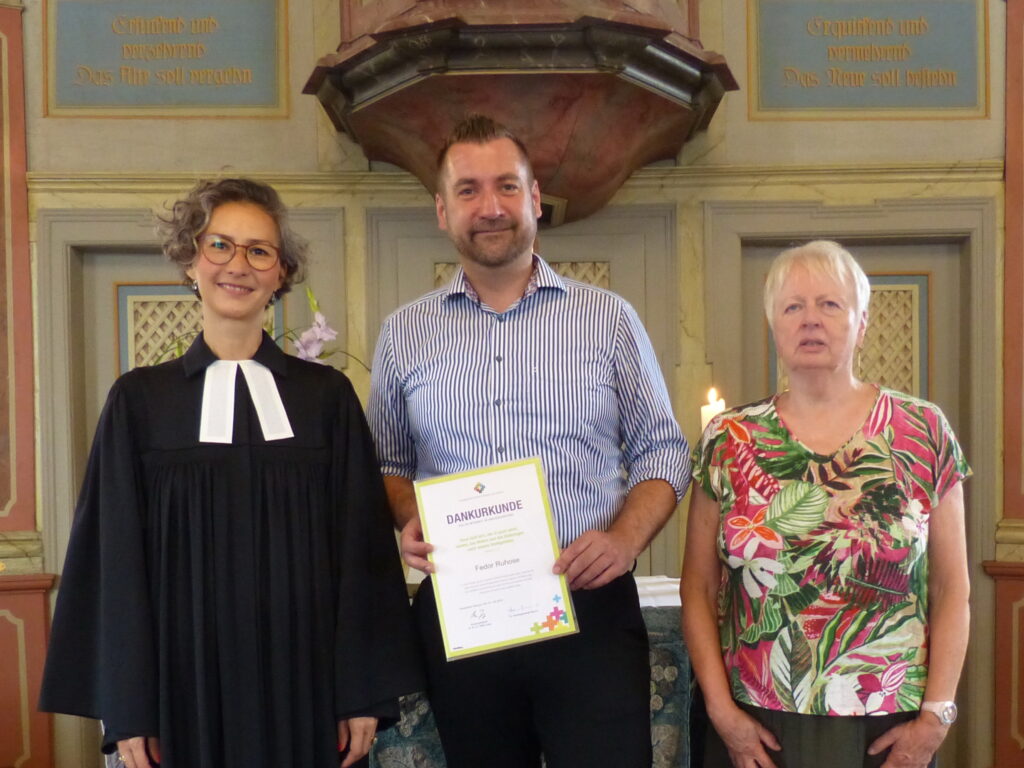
(948, 713)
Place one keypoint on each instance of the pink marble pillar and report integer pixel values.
(24, 612)
(17, 449)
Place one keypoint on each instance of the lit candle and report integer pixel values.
(714, 407)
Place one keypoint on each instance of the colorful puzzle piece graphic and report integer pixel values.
(552, 622)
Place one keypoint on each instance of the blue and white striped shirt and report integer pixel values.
(566, 373)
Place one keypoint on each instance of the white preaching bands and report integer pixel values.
(218, 416)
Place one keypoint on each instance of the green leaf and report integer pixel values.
(771, 617)
(314, 305)
(828, 650)
(797, 508)
(790, 664)
(782, 670)
(739, 690)
(863, 669)
(767, 624)
(868, 470)
(918, 673)
(784, 585)
(799, 602)
(909, 696)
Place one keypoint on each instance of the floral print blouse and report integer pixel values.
(823, 605)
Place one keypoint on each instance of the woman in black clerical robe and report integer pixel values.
(232, 594)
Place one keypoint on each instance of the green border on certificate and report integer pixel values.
(494, 546)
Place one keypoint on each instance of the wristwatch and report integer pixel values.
(946, 711)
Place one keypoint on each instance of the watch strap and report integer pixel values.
(945, 711)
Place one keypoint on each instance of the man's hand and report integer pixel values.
(594, 559)
(913, 743)
(414, 548)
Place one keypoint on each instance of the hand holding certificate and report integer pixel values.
(494, 546)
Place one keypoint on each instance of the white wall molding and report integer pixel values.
(355, 182)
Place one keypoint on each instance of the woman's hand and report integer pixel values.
(913, 743)
(745, 738)
(139, 752)
(356, 734)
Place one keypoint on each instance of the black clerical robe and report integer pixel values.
(236, 599)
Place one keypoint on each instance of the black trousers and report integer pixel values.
(582, 700)
(810, 741)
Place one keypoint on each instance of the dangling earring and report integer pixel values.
(195, 289)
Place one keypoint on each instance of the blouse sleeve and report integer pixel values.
(950, 465)
(101, 659)
(376, 659)
(705, 470)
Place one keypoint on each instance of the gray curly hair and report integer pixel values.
(189, 217)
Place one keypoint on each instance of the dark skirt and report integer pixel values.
(813, 740)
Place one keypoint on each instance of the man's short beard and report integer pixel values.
(521, 242)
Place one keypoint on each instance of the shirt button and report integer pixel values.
(500, 449)
(497, 402)
(501, 318)
(498, 358)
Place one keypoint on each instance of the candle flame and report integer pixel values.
(712, 396)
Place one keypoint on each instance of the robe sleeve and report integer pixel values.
(376, 655)
(101, 659)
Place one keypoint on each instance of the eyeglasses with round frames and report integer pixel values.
(219, 249)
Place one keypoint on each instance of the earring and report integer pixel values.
(195, 288)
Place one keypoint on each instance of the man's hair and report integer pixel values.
(480, 129)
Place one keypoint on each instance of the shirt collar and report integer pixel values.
(543, 276)
(199, 356)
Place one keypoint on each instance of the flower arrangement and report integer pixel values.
(309, 344)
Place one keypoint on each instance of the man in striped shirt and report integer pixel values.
(510, 361)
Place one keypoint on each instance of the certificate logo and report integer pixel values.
(479, 487)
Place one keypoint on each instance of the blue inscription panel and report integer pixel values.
(868, 56)
(174, 57)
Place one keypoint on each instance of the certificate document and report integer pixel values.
(494, 546)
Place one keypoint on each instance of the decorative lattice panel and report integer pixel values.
(158, 323)
(593, 272)
(891, 354)
(895, 343)
(444, 272)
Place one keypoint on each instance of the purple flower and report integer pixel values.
(310, 344)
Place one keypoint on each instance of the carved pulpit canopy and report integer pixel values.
(596, 89)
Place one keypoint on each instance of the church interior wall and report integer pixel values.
(117, 163)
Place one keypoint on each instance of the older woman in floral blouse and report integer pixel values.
(825, 588)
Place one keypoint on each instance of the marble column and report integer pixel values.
(1008, 568)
